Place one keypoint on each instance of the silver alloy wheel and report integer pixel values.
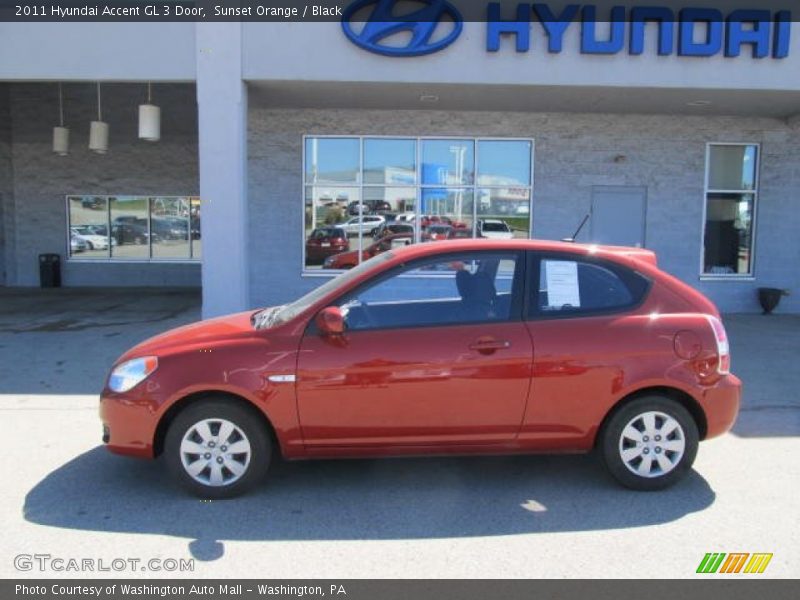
(215, 452)
(652, 444)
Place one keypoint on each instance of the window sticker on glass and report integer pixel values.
(561, 277)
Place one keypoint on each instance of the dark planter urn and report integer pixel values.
(769, 298)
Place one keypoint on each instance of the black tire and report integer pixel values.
(611, 444)
(243, 418)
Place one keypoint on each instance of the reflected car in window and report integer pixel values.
(392, 229)
(77, 244)
(96, 237)
(366, 225)
(324, 242)
(428, 220)
(170, 228)
(459, 234)
(459, 347)
(132, 231)
(437, 232)
(494, 229)
(348, 260)
(93, 202)
(369, 207)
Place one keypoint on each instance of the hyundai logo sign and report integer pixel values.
(423, 31)
(686, 32)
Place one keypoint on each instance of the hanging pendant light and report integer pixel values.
(61, 133)
(98, 130)
(149, 118)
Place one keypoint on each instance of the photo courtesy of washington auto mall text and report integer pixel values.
(176, 590)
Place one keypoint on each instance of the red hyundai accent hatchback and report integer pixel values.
(459, 347)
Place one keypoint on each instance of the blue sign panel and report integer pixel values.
(697, 32)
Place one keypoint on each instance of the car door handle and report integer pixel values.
(489, 346)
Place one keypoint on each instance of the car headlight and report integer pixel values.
(131, 373)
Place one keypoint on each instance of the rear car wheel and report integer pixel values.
(650, 443)
(217, 449)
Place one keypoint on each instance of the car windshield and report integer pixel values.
(290, 311)
(494, 227)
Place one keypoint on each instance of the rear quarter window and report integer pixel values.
(566, 286)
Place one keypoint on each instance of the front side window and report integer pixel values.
(730, 208)
(141, 228)
(367, 184)
(578, 287)
(467, 288)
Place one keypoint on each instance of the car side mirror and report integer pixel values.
(330, 321)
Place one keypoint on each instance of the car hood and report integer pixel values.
(202, 332)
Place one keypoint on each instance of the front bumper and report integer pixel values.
(128, 426)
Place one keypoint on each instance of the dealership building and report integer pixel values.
(681, 136)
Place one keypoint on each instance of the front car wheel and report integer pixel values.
(217, 448)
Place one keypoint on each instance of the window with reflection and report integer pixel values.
(731, 198)
(390, 161)
(448, 162)
(470, 287)
(333, 160)
(88, 227)
(450, 208)
(169, 224)
(194, 223)
(130, 227)
(412, 190)
(140, 228)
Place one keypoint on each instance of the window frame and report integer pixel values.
(755, 192)
(109, 258)
(518, 287)
(417, 186)
(531, 310)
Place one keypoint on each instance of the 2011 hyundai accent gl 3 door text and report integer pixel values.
(459, 347)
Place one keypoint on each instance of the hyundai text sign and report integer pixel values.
(378, 26)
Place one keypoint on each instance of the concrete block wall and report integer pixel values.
(42, 179)
(573, 152)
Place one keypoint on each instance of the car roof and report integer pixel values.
(620, 253)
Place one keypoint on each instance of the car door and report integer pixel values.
(434, 352)
(585, 324)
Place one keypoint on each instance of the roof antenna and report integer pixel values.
(578, 230)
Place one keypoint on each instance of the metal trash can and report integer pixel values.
(50, 270)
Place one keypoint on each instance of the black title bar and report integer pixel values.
(334, 10)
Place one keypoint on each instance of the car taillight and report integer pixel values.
(723, 348)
